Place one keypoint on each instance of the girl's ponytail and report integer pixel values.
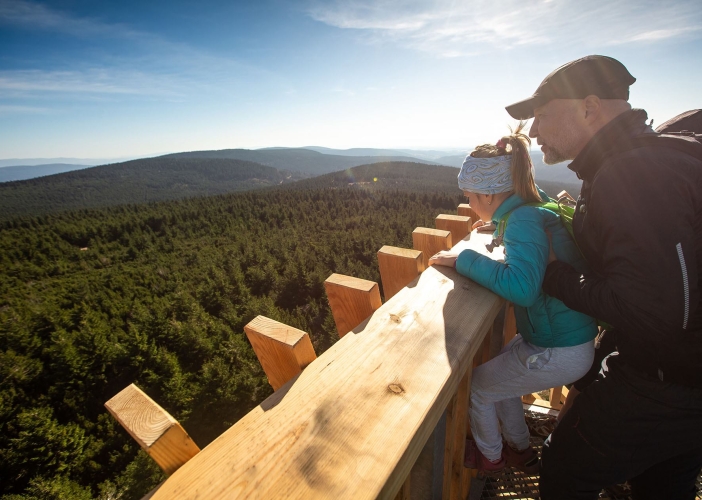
(521, 168)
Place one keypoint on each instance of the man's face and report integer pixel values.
(557, 129)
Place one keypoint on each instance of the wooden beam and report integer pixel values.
(355, 420)
(458, 225)
(429, 241)
(565, 194)
(156, 431)
(554, 397)
(466, 210)
(398, 268)
(282, 350)
(510, 324)
(455, 474)
(404, 493)
(351, 300)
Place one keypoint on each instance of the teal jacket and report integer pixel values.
(541, 319)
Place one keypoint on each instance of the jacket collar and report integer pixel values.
(613, 137)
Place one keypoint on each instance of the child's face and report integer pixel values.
(473, 199)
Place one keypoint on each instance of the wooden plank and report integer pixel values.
(510, 324)
(430, 241)
(554, 397)
(565, 194)
(282, 350)
(455, 474)
(398, 268)
(351, 300)
(354, 421)
(465, 210)
(156, 431)
(404, 493)
(458, 225)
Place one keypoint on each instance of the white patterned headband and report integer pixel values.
(486, 175)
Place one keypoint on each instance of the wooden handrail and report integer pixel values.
(352, 424)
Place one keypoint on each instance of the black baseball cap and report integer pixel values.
(602, 76)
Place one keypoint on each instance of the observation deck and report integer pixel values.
(383, 413)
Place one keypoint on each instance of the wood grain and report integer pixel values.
(352, 424)
(351, 300)
(282, 350)
(156, 431)
(458, 225)
(466, 210)
(398, 268)
(429, 241)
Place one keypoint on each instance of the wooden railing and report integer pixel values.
(352, 422)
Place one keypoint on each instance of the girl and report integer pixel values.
(555, 344)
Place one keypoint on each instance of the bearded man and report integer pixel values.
(638, 223)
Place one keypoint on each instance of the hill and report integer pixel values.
(293, 159)
(407, 177)
(559, 173)
(22, 172)
(136, 181)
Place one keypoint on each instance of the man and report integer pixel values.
(638, 223)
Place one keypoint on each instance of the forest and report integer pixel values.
(158, 294)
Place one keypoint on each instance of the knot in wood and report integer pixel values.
(395, 318)
(396, 388)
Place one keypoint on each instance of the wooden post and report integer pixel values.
(565, 194)
(458, 225)
(510, 325)
(466, 210)
(156, 431)
(398, 267)
(351, 300)
(554, 397)
(404, 493)
(429, 241)
(456, 476)
(282, 350)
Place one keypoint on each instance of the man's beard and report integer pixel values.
(553, 156)
(564, 145)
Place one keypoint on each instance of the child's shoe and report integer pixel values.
(526, 461)
(475, 460)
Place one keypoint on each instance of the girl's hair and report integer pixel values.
(517, 145)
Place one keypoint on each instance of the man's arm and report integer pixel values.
(641, 214)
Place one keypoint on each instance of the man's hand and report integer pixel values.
(443, 258)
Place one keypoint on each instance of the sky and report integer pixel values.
(112, 79)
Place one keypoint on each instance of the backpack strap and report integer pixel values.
(551, 205)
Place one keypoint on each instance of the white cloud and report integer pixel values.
(24, 83)
(9, 109)
(451, 28)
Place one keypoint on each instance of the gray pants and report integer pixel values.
(498, 385)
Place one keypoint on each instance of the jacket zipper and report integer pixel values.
(686, 284)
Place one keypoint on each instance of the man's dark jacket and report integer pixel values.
(638, 223)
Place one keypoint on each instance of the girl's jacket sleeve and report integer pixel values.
(517, 279)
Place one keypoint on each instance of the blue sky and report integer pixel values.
(102, 79)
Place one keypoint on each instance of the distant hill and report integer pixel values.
(293, 159)
(559, 172)
(407, 176)
(88, 162)
(23, 172)
(136, 181)
(421, 154)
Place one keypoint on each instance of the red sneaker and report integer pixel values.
(526, 461)
(473, 459)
